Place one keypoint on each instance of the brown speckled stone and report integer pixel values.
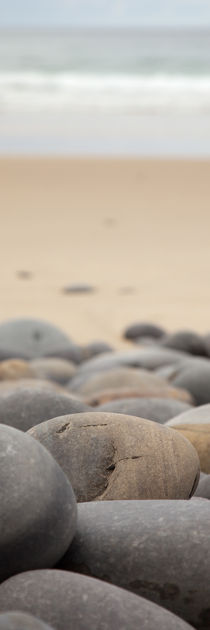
(141, 381)
(199, 436)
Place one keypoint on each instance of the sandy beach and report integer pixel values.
(136, 230)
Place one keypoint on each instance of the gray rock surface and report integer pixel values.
(79, 288)
(94, 348)
(203, 488)
(37, 507)
(186, 341)
(24, 406)
(69, 601)
(143, 381)
(196, 379)
(21, 621)
(155, 409)
(52, 368)
(143, 329)
(157, 549)
(112, 456)
(145, 358)
(195, 415)
(32, 337)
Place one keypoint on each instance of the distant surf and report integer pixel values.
(106, 92)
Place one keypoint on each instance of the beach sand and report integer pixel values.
(136, 230)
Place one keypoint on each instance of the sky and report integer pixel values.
(104, 13)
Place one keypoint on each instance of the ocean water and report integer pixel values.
(140, 92)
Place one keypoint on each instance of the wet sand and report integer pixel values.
(137, 230)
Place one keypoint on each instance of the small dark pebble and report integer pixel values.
(79, 288)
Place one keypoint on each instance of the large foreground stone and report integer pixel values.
(21, 621)
(157, 549)
(37, 507)
(31, 337)
(69, 601)
(24, 406)
(156, 409)
(112, 456)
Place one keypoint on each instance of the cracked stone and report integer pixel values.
(111, 456)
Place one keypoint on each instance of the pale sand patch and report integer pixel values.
(143, 224)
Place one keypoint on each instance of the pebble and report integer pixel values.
(156, 409)
(203, 488)
(147, 384)
(111, 456)
(13, 369)
(145, 358)
(157, 549)
(24, 406)
(69, 601)
(199, 436)
(33, 337)
(52, 368)
(21, 621)
(95, 348)
(37, 507)
(73, 352)
(79, 288)
(195, 378)
(195, 415)
(143, 329)
(186, 341)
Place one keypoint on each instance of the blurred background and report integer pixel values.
(104, 162)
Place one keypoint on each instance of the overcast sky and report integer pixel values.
(104, 12)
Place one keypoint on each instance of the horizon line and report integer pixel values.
(105, 27)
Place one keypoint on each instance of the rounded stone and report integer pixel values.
(37, 508)
(157, 549)
(169, 372)
(156, 409)
(203, 488)
(69, 601)
(186, 341)
(21, 621)
(207, 343)
(112, 456)
(55, 369)
(146, 383)
(196, 379)
(71, 352)
(199, 436)
(79, 288)
(33, 337)
(149, 359)
(24, 406)
(94, 348)
(13, 369)
(143, 329)
(195, 415)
